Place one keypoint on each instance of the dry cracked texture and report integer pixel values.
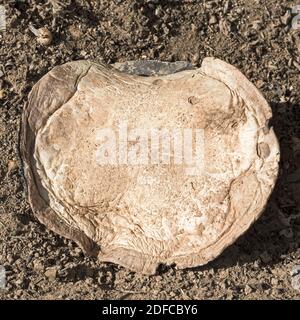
(146, 215)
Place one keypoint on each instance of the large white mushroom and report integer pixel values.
(142, 171)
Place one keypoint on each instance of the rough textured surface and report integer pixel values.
(141, 216)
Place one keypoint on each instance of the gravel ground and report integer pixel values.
(254, 35)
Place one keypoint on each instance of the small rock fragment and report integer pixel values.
(295, 270)
(44, 36)
(213, 19)
(286, 18)
(224, 26)
(2, 277)
(158, 11)
(295, 273)
(59, 6)
(38, 265)
(227, 6)
(247, 289)
(10, 258)
(274, 282)
(75, 32)
(12, 166)
(297, 44)
(18, 293)
(51, 273)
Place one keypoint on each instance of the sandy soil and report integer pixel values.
(255, 36)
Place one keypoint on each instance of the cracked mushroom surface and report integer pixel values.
(142, 213)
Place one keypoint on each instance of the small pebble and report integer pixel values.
(38, 265)
(12, 166)
(51, 273)
(10, 258)
(158, 11)
(274, 282)
(213, 19)
(295, 273)
(247, 289)
(75, 32)
(43, 35)
(286, 18)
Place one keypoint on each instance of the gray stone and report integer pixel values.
(295, 273)
(152, 67)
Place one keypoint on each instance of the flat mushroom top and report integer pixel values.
(148, 170)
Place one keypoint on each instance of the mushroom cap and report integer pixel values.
(94, 143)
